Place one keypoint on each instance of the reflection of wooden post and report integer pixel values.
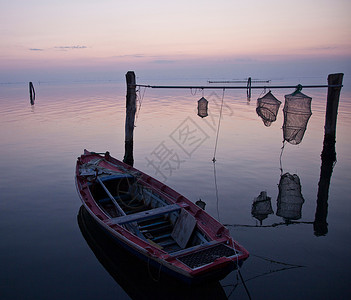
(130, 116)
(320, 224)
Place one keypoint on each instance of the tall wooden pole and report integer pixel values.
(130, 117)
(328, 155)
(331, 116)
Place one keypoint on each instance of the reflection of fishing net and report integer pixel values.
(290, 200)
(297, 111)
(267, 108)
(261, 207)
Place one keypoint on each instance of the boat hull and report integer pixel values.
(138, 279)
(218, 254)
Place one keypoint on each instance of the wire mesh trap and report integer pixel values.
(202, 107)
(297, 112)
(267, 108)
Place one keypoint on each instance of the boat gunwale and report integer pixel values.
(146, 249)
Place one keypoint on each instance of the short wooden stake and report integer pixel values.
(248, 89)
(31, 93)
(130, 117)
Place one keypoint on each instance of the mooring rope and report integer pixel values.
(216, 188)
(140, 100)
(219, 124)
(280, 158)
(150, 274)
(239, 272)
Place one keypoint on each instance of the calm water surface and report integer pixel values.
(48, 253)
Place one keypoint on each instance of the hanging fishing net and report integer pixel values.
(202, 106)
(297, 112)
(267, 108)
(261, 207)
(290, 200)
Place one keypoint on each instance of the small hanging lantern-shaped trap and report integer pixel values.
(297, 112)
(261, 207)
(267, 108)
(202, 106)
(290, 200)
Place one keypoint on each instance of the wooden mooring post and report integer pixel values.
(31, 93)
(331, 116)
(328, 155)
(248, 90)
(130, 117)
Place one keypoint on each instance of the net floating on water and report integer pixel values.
(297, 112)
(267, 108)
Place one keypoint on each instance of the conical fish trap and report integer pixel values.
(267, 108)
(297, 112)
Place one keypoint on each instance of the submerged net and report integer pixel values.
(267, 108)
(297, 112)
(290, 199)
(261, 207)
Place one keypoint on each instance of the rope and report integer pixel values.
(243, 281)
(277, 262)
(193, 93)
(280, 158)
(149, 271)
(219, 124)
(140, 100)
(216, 188)
(237, 87)
(239, 272)
(268, 226)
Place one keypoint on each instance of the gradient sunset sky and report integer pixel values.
(42, 37)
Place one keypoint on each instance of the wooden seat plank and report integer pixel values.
(140, 216)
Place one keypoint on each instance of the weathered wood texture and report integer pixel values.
(331, 116)
(144, 215)
(328, 156)
(130, 117)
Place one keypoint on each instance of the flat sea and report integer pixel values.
(48, 251)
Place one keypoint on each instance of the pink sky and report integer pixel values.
(87, 34)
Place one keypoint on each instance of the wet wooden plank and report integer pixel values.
(183, 228)
(144, 214)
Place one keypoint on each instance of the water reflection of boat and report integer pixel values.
(154, 222)
(138, 279)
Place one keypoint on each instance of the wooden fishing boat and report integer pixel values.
(154, 222)
(137, 278)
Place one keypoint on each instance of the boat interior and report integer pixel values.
(146, 214)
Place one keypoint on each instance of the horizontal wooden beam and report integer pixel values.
(144, 215)
(201, 87)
